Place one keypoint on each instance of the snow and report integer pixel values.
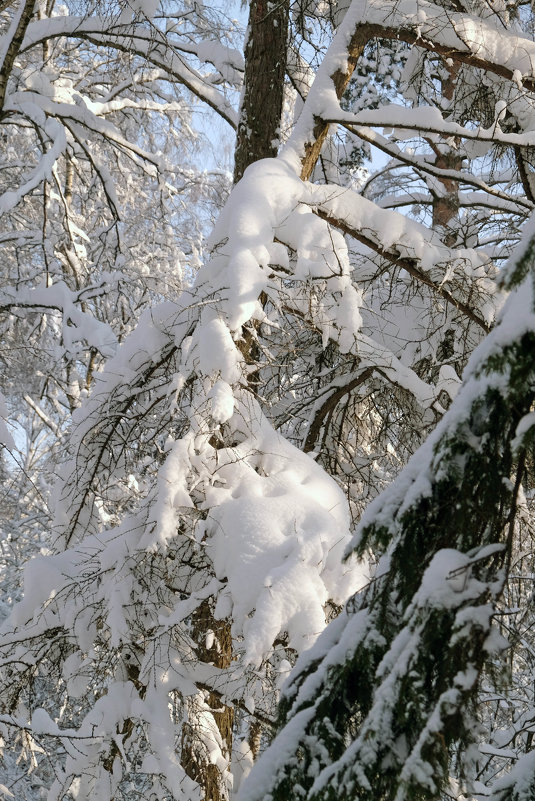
(516, 318)
(42, 723)
(216, 351)
(407, 121)
(270, 524)
(448, 381)
(521, 778)
(524, 427)
(276, 532)
(458, 32)
(447, 582)
(446, 579)
(43, 576)
(55, 132)
(125, 34)
(395, 232)
(78, 325)
(264, 197)
(273, 760)
(222, 401)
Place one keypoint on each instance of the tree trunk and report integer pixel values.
(216, 650)
(446, 205)
(263, 90)
(257, 138)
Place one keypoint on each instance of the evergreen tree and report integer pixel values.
(388, 701)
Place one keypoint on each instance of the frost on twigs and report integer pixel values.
(214, 467)
(227, 523)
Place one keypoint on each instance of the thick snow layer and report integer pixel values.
(520, 780)
(447, 582)
(276, 532)
(447, 579)
(264, 197)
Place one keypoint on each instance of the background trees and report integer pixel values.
(99, 172)
(215, 462)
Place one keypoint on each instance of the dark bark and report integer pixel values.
(263, 92)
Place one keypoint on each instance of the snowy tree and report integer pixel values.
(386, 702)
(217, 460)
(98, 175)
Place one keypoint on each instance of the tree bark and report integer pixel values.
(218, 652)
(263, 90)
(446, 205)
(257, 138)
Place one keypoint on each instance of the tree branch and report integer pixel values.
(20, 22)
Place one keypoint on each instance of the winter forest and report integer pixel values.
(267, 400)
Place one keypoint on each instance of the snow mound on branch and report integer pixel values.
(271, 202)
(277, 530)
(268, 192)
